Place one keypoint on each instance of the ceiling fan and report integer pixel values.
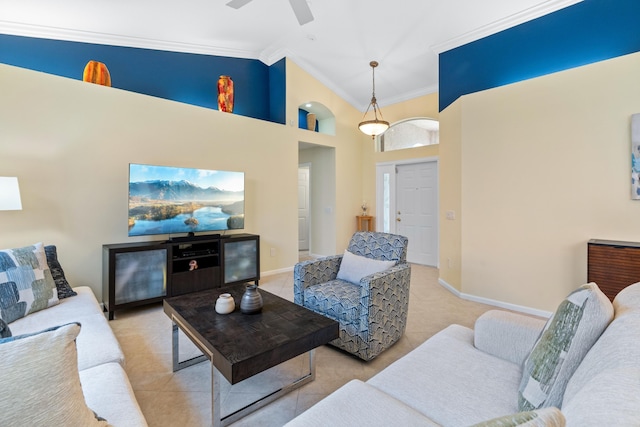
(300, 8)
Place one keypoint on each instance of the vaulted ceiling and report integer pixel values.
(404, 36)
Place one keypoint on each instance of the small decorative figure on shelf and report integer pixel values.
(193, 265)
(364, 208)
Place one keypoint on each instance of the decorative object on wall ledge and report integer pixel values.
(96, 72)
(311, 121)
(375, 126)
(225, 94)
(635, 156)
(9, 194)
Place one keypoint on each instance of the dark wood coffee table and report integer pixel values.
(242, 345)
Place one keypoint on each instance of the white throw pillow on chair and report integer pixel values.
(354, 267)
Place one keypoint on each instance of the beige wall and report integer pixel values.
(450, 175)
(70, 144)
(424, 106)
(343, 188)
(544, 167)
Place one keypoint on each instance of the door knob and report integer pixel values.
(398, 219)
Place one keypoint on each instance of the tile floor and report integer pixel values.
(184, 398)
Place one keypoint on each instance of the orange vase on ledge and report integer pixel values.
(96, 72)
(225, 94)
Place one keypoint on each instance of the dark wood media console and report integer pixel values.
(146, 272)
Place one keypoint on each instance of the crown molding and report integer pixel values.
(270, 57)
(64, 34)
(503, 24)
(427, 90)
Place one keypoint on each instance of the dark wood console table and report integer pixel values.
(146, 272)
(613, 265)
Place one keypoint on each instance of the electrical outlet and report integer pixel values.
(273, 251)
(451, 215)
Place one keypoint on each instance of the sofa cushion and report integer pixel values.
(26, 284)
(545, 417)
(450, 381)
(40, 380)
(108, 392)
(610, 398)
(354, 267)
(359, 404)
(96, 342)
(605, 389)
(567, 337)
(62, 285)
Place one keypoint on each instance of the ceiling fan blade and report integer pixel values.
(302, 11)
(237, 4)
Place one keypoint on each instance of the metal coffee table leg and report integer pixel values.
(175, 350)
(217, 378)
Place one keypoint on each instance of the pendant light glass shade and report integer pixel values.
(373, 126)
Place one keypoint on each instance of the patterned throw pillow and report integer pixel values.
(567, 337)
(26, 284)
(5, 332)
(547, 417)
(40, 380)
(64, 289)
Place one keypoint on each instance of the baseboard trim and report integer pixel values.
(278, 271)
(495, 303)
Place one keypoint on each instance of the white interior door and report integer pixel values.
(417, 210)
(303, 208)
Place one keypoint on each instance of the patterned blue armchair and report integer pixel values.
(373, 313)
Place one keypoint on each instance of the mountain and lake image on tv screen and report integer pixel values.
(172, 200)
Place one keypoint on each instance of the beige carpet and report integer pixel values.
(184, 398)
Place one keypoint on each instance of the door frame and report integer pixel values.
(307, 165)
(391, 167)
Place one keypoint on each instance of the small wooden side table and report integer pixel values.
(365, 223)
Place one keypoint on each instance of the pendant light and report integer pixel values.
(375, 126)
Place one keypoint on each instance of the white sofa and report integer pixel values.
(463, 377)
(105, 385)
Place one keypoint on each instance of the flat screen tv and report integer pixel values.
(174, 200)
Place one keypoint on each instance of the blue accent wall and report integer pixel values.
(182, 77)
(587, 32)
(278, 91)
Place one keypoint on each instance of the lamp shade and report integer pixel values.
(373, 127)
(9, 194)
